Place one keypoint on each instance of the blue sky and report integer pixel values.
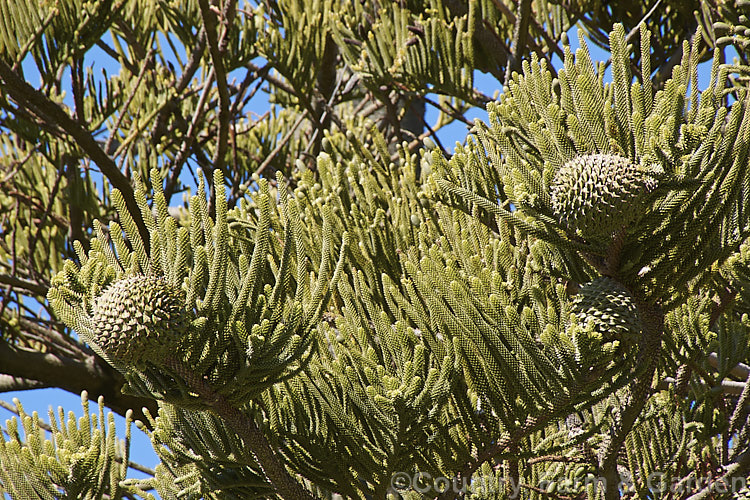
(40, 400)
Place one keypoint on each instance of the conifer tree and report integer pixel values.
(324, 302)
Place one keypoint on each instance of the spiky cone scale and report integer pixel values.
(604, 320)
(596, 196)
(609, 307)
(139, 319)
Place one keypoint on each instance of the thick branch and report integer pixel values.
(740, 371)
(730, 387)
(640, 391)
(739, 468)
(34, 329)
(10, 383)
(520, 34)
(55, 116)
(37, 289)
(326, 89)
(245, 427)
(215, 45)
(74, 376)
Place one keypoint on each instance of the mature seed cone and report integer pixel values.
(597, 195)
(610, 306)
(139, 319)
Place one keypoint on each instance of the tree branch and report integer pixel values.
(75, 376)
(740, 371)
(245, 427)
(284, 140)
(14, 281)
(730, 387)
(10, 383)
(56, 117)
(109, 146)
(518, 44)
(35, 329)
(217, 48)
(640, 391)
(739, 468)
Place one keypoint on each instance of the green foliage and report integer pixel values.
(562, 299)
(544, 129)
(670, 22)
(698, 145)
(251, 309)
(433, 54)
(193, 466)
(294, 36)
(81, 458)
(440, 348)
(53, 31)
(40, 181)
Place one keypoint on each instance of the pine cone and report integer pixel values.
(610, 306)
(597, 195)
(139, 319)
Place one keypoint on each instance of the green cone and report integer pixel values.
(139, 319)
(597, 195)
(610, 306)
